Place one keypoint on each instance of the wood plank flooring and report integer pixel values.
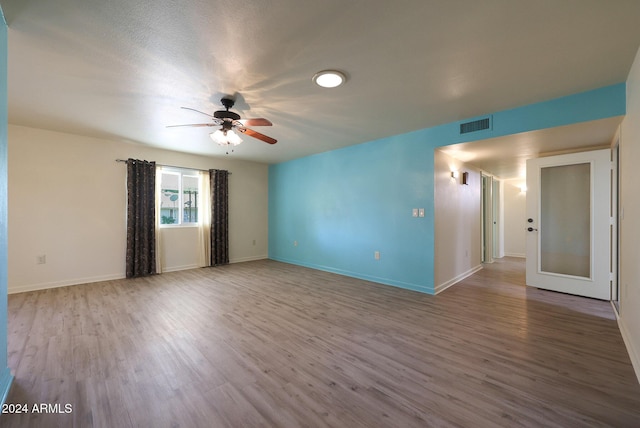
(269, 344)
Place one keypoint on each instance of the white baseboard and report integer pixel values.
(634, 353)
(248, 259)
(177, 268)
(238, 260)
(441, 287)
(380, 280)
(78, 281)
(520, 255)
(63, 283)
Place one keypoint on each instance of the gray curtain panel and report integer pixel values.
(141, 218)
(219, 216)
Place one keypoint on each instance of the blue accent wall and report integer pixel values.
(5, 374)
(342, 206)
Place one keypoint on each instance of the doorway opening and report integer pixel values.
(490, 219)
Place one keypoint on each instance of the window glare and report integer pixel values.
(179, 193)
(190, 198)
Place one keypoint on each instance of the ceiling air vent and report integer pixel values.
(476, 125)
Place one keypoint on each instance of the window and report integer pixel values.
(179, 192)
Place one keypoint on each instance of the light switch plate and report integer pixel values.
(415, 212)
(421, 212)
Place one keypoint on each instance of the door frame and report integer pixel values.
(615, 212)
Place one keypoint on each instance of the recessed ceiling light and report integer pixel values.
(329, 78)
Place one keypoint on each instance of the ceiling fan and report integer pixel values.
(228, 122)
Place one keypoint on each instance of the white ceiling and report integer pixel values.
(121, 69)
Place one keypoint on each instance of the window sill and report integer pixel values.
(178, 226)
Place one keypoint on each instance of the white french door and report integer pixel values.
(568, 206)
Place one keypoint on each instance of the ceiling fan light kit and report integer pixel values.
(329, 78)
(225, 138)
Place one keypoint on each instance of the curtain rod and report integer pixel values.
(173, 166)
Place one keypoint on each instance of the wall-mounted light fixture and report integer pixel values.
(465, 178)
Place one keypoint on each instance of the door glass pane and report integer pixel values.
(565, 220)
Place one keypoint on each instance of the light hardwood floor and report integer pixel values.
(269, 344)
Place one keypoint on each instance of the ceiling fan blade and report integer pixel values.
(194, 124)
(258, 121)
(259, 136)
(192, 109)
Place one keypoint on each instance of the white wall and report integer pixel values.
(630, 227)
(514, 219)
(67, 200)
(457, 222)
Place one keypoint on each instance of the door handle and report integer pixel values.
(531, 229)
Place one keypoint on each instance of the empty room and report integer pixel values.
(319, 214)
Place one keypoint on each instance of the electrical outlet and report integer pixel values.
(254, 242)
(295, 243)
(42, 259)
(414, 212)
(376, 255)
(421, 212)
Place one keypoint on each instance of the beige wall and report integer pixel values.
(457, 222)
(630, 226)
(67, 200)
(514, 218)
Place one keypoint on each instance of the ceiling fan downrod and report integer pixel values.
(227, 103)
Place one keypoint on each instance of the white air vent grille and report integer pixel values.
(476, 125)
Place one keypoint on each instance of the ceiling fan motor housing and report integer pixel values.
(222, 114)
(226, 114)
